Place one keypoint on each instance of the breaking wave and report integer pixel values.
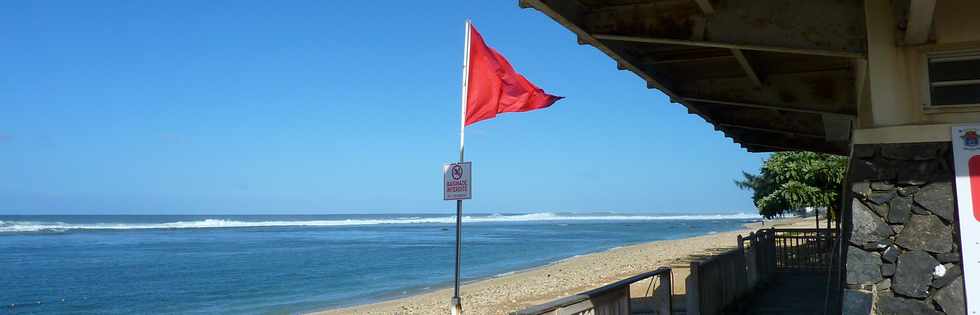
(42, 226)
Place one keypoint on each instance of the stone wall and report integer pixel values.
(902, 254)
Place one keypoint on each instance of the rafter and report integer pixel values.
(763, 106)
(570, 13)
(790, 133)
(793, 143)
(747, 67)
(749, 146)
(655, 61)
(741, 24)
(705, 6)
(683, 42)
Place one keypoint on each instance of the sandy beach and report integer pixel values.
(505, 294)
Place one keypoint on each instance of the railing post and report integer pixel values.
(693, 284)
(670, 289)
(773, 255)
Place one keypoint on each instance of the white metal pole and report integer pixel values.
(466, 82)
(457, 303)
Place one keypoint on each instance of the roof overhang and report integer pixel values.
(773, 75)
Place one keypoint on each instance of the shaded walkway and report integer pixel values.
(790, 293)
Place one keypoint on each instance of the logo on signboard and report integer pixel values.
(970, 138)
(457, 172)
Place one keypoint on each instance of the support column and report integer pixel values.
(901, 249)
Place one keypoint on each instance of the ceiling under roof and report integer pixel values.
(772, 75)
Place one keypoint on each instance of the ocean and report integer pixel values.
(287, 264)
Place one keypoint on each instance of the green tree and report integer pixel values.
(792, 181)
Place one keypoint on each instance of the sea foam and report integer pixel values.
(44, 226)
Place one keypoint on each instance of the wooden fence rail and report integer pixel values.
(646, 293)
(716, 285)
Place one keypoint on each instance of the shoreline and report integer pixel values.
(518, 289)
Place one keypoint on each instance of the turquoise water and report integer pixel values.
(288, 264)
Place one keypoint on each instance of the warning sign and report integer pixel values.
(456, 181)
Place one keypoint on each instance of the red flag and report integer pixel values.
(494, 86)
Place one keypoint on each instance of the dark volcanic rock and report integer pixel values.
(893, 305)
(861, 151)
(908, 191)
(897, 228)
(882, 186)
(863, 267)
(917, 209)
(948, 257)
(882, 197)
(880, 209)
(938, 198)
(856, 303)
(867, 227)
(910, 151)
(951, 298)
(888, 270)
(913, 274)
(877, 246)
(927, 233)
(899, 210)
(916, 173)
(863, 169)
(884, 285)
(890, 254)
(952, 272)
(861, 188)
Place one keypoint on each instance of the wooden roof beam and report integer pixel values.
(738, 24)
(763, 106)
(751, 147)
(705, 6)
(684, 42)
(790, 133)
(755, 148)
(919, 23)
(747, 67)
(571, 14)
(787, 142)
(654, 61)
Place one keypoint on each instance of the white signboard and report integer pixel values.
(966, 158)
(456, 181)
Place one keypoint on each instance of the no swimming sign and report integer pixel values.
(456, 180)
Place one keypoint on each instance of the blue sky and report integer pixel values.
(204, 107)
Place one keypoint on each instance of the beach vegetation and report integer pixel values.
(790, 182)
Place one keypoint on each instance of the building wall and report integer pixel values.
(902, 252)
(896, 89)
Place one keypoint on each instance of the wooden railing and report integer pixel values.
(646, 293)
(791, 249)
(804, 249)
(716, 285)
(760, 256)
(717, 282)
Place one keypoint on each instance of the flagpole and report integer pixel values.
(457, 303)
